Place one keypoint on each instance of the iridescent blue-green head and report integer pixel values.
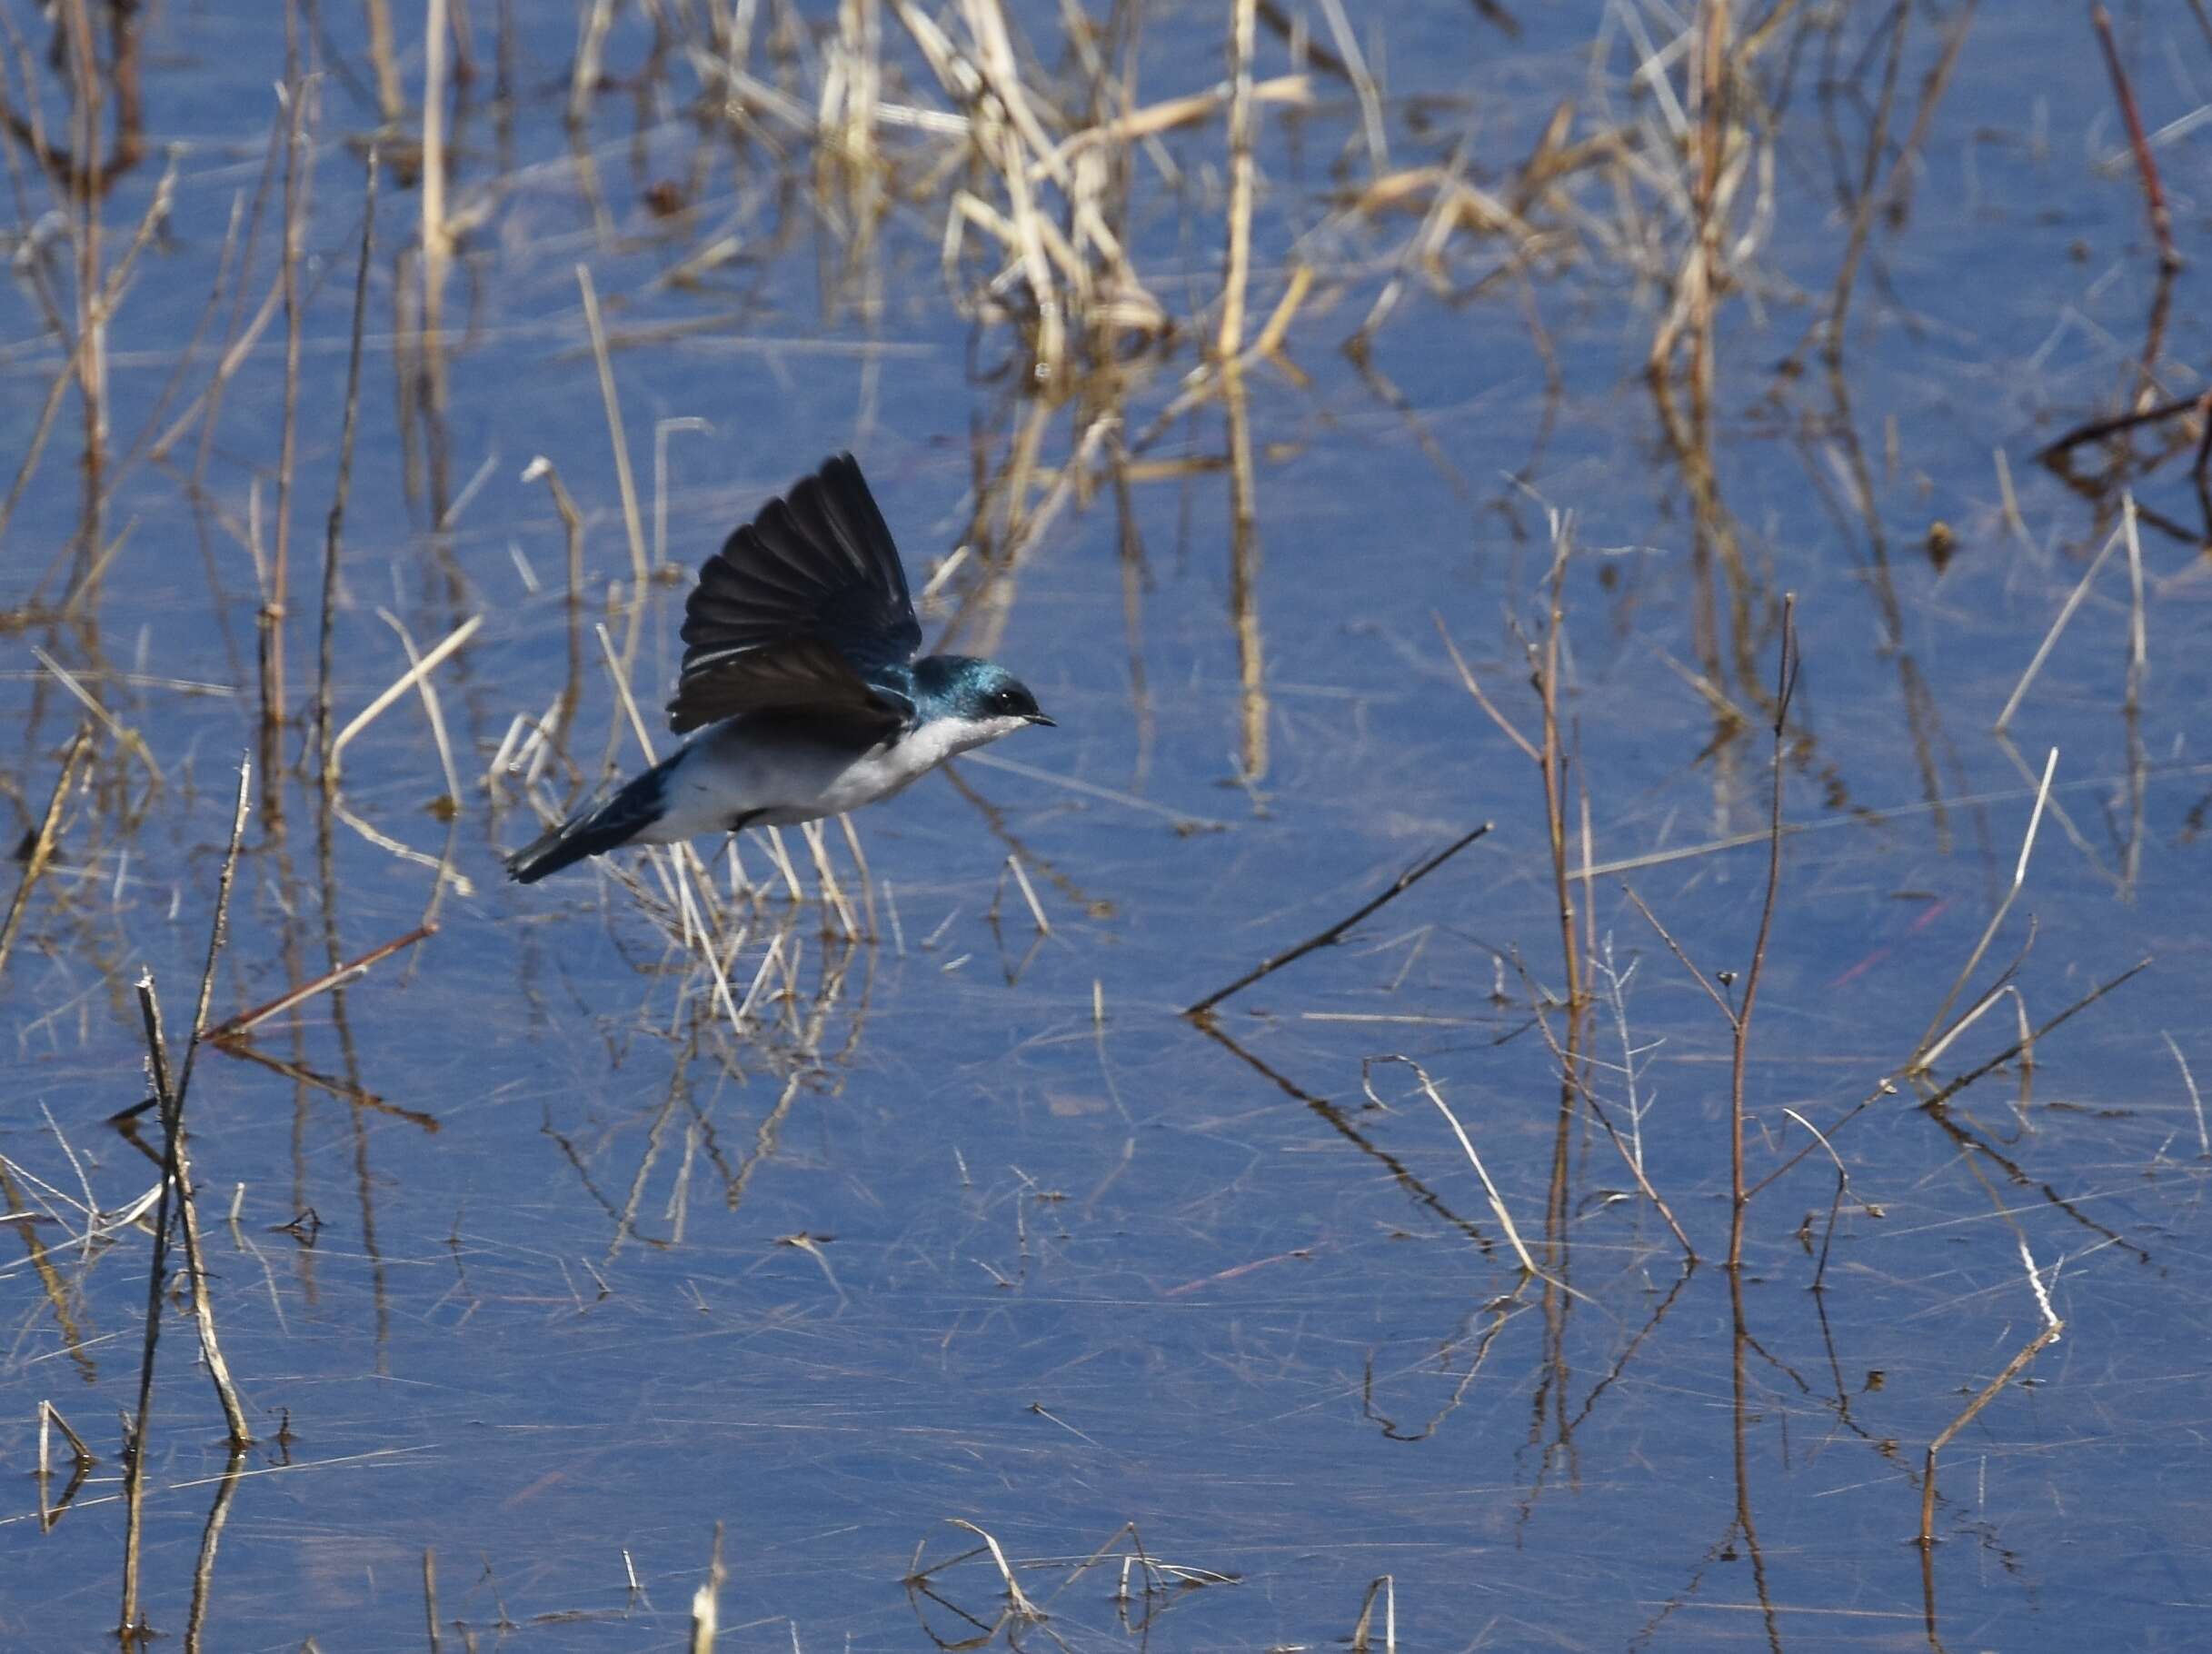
(976, 701)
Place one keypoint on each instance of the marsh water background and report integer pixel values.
(543, 1264)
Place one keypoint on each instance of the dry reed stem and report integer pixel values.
(133, 1472)
(333, 528)
(245, 1022)
(572, 528)
(2052, 1329)
(1928, 1048)
(127, 738)
(406, 681)
(2065, 614)
(1786, 690)
(110, 299)
(1243, 14)
(391, 94)
(1244, 579)
(633, 523)
(2196, 1103)
(276, 592)
(1490, 1189)
(1385, 1587)
(429, 1572)
(42, 843)
(1017, 1601)
(1738, 1017)
(436, 245)
(2147, 166)
(175, 1180)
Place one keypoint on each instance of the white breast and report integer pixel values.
(725, 777)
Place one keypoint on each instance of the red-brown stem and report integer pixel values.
(1787, 677)
(2146, 167)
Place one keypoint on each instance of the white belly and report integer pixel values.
(733, 774)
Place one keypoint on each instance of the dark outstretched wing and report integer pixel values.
(806, 605)
(799, 672)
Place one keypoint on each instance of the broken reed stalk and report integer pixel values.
(334, 528)
(1017, 1601)
(1362, 1635)
(704, 1613)
(2147, 167)
(1549, 759)
(135, 1458)
(41, 845)
(175, 1183)
(1397, 887)
(1929, 1046)
(2052, 1329)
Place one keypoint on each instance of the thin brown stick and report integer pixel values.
(245, 1022)
(333, 530)
(1786, 676)
(173, 1131)
(1397, 887)
(2147, 167)
(42, 846)
(2052, 1327)
(1244, 578)
(1739, 1016)
(176, 1181)
(211, 1537)
(1552, 762)
(135, 1458)
(2096, 430)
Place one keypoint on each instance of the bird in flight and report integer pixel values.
(800, 677)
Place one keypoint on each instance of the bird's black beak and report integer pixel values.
(1041, 718)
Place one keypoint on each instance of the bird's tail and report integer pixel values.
(594, 831)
